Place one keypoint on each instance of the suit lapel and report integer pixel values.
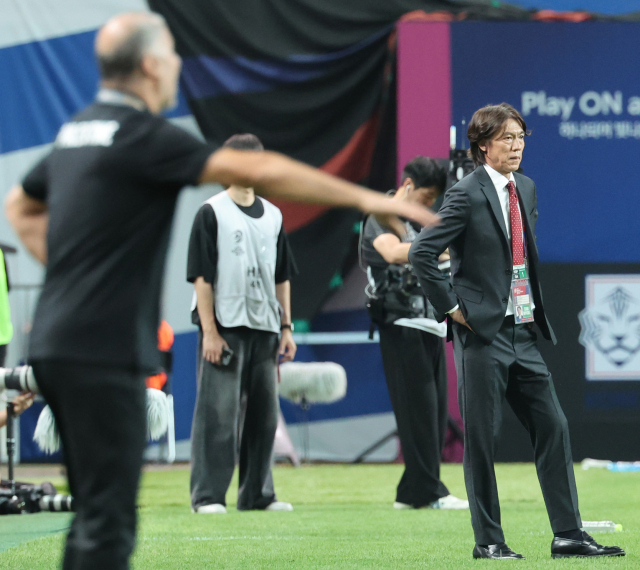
(492, 196)
(524, 193)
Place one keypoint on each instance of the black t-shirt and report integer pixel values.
(110, 183)
(370, 256)
(202, 260)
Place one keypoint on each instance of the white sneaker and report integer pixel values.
(401, 506)
(214, 509)
(450, 502)
(279, 506)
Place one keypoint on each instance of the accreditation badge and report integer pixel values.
(520, 272)
(521, 296)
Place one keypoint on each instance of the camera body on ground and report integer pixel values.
(25, 498)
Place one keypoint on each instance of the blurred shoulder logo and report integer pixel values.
(611, 327)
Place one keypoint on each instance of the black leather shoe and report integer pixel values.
(496, 552)
(566, 548)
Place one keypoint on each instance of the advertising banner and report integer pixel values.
(579, 93)
(611, 327)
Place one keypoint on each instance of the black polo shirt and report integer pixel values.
(110, 183)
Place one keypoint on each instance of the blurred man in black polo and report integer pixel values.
(98, 210)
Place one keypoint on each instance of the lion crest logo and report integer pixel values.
(611, 332)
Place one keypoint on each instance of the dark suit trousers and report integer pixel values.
(101, 415)
(415, 369)
(511, 367)
(237, 403)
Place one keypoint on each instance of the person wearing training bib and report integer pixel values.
(240, 264)
(6, 328)
(494, 297)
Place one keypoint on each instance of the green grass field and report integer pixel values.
(342, 519)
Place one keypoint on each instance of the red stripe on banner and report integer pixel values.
(295, 216)
(424, 90)
(352, 163)
(554, 16)
(424, 121)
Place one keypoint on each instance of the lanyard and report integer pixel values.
(521, 286)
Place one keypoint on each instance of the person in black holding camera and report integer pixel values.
(240, 263)
(414, 360)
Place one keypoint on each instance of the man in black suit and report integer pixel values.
(493, 298)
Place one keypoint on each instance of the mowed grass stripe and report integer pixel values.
(343, 518)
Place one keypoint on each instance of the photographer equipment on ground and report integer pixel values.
(16, 497)
(24, 498)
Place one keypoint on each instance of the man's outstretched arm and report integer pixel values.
(274, 175)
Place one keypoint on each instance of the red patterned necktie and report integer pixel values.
(517, 244)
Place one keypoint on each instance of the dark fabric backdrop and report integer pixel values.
(313, 79)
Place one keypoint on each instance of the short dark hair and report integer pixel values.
(425, 173)
(245, 141)
(126, 58)
(484, 125)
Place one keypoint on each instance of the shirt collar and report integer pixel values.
(117, 97)
(499, 180)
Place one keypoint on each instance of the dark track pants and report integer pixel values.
(511, 367)
(101, 415)
(415, 369)
(238, 403)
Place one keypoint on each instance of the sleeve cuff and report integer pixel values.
(452, 310)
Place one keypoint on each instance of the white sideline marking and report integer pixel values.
(218, 538)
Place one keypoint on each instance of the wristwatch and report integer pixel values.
(287, 326)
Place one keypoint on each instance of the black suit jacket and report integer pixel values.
(472, 226)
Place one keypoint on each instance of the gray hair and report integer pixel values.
(125, 59)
